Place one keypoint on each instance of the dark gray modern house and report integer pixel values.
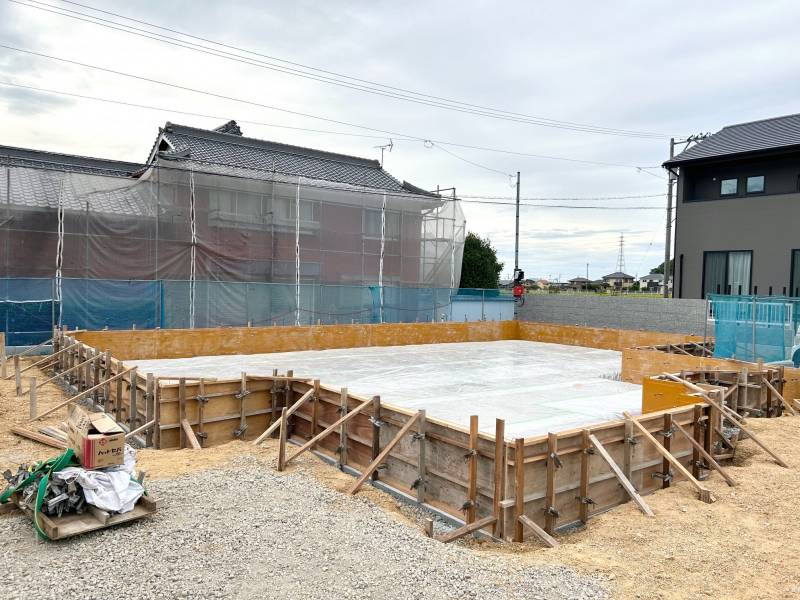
(737, 227)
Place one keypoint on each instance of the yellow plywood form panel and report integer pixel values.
(658, 394)
(597, 337)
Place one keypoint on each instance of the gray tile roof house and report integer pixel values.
(618, 275)
(734, 141)
(25, 157)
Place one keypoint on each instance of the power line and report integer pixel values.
(353, 83)
(466, 160)
(565, 199)
(396, 135)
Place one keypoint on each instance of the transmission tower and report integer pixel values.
(621, 256)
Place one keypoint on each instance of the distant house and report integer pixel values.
(619, 280)
(579, 283)
(543, 283)
(654, 282)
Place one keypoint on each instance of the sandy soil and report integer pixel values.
(742, 546)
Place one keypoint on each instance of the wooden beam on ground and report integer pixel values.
(384, 453)
(472, 470)
(330, 429)
(710, 459)
(519, 487)
(83, 394)
(190, 436)
(467, 529)
(548, 539)
(290, 411)
(624, 481)
(38, 437)
(499, 474)
(753, 437)
(703, 491)
(780, 397)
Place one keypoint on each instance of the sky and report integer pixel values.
(668, 71)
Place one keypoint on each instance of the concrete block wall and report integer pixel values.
(618, 312)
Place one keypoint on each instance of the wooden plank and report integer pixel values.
(146, 427)
(467, 529)
(499, 474)
(472, 470)
(583, 496)
(330, 429)
(182, 410)
(383, 454)
(149, 407)
(627, 450)
(780, 397)
(710, 459)
(133, 414)
(703, 491)
(376, 432)
(83, 394)
(697, 432)
(624, 481)
(549, 540)
(550, 493)
(38, 437)
(190, 436)
(290, 411)
(519, 487)
(667, 443)
(315, 410)
(47, 358)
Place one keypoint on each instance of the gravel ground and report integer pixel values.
(250, 532)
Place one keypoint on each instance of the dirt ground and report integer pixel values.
(741, 546)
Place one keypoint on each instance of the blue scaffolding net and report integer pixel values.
(754, 327)
(30, 308)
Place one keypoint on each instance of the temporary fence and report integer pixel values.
(30, 307)
(754, 327)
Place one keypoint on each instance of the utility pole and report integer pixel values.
(516, 234)
(668, 243)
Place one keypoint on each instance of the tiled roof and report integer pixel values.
(235, 151)
(778, 133)
(618, 275)
(24, 157)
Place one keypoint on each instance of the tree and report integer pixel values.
(480, 268)
(660, 268)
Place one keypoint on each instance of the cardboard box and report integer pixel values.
(96, 439)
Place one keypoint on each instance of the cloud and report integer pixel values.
(28, 103)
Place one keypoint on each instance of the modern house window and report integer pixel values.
(727, 272)
(755, 184)
(794, 277)
(728, 187)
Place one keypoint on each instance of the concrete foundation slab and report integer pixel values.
(536, 387)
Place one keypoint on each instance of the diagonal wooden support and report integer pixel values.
(289, 412)
(330, 429)
(732, 415)
(624, 481)
(548, 539)
(467, 529)
(190, 436)
(83, 394)
(47, 358)
(780, 397)
(383, 454)
(702, 451)
(703, 491)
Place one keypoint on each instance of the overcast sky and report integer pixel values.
(672, 69)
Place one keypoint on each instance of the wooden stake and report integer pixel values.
(17, 376)
(290, 411)
(548, 540)
(422, 473)
(519, 487)
(376, 432)
(429, 528)
(472, 470)
(79, 396)
(201, 411)
(315, 409)
(624, 481)
(47, 358)
(499, 474)
(149, 407)
(667, 443)
(550, 492)
(697, 413)
(343, 429)
(467, 529)
(284, 423)
(780, 397)
(384, 453)
(627, 450)
(134, 400)
(583, 508)
(710, 459)
(703, 491)
(182, 410)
